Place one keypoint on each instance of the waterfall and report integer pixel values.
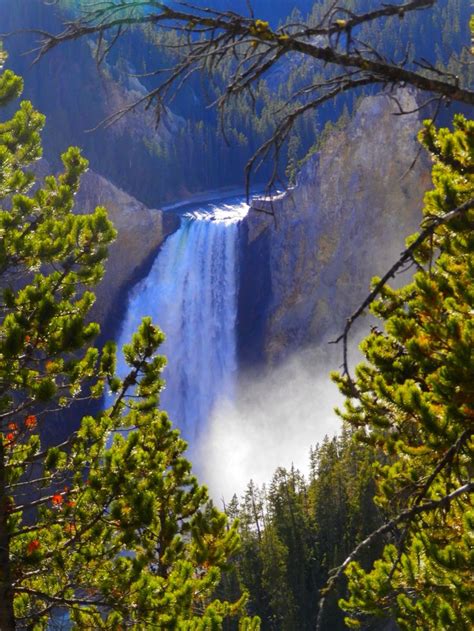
(191, 294)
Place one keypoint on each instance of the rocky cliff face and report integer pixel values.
(343, 223)
(140, 233)
(76, 96)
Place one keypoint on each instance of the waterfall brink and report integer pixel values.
(191, 293)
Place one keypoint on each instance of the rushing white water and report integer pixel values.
(191, 293)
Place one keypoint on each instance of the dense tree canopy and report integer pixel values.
(339, 48)
(110, 527)
(413, 403)
(296, 529)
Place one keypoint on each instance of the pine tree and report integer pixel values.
(297, 531)
(415, 405)
(288, 513)
(110, 527)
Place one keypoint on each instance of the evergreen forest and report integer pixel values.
(191, 194)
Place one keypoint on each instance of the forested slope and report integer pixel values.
(295, 530)
(76, 97)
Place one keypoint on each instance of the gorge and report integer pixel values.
(297, 273)
(249, 301)
(184, 441)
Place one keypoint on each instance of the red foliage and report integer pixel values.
(31, 421)
(33, 546)
(57, 499)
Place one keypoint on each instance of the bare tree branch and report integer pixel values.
(212, 35)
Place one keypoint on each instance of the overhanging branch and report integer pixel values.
(405, 257)
(405, 516)
(223, 32)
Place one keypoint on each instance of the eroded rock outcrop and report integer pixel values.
(344, 222)
(140, 233)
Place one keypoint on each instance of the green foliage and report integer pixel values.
(415, 406)
(407, 455)
(110, 527)
(295, 531)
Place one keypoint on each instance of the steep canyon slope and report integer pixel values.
(140, 232)
(344, 222)
(302, 274)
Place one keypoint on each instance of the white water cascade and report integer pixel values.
(191, 294)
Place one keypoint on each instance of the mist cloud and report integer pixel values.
(274, 421)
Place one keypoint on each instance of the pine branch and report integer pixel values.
(405, 516)
(406, 256)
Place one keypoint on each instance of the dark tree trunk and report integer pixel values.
(7, 618)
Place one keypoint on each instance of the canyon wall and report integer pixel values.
(344, 222)
(303, 272)
(141, 231)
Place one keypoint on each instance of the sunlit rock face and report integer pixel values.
(344, 222)
(141, 231)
